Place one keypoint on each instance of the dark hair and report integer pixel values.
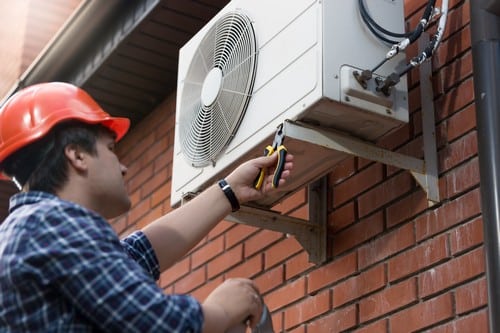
(42, 165)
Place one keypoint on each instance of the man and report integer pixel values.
(62, 267)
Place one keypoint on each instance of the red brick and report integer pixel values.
(461, 123)
(135, 182)
(307, 309)
(292, 202)
(358, 233)
(458, 151)
(342, 170)
(248, 268)
(270, 279)
(191, 281)
(300, 329)
(331, 273)
(411, 148)
(175, 272)
(426, 254)
(457, 71)
(257, 242)
(452, 273)
(395, 139)
(422, 315)
(341, 217)
(339, 320)
(156, 149)
(161, 194)
(384, 193)
(452, 48)
(238, 233)
(119, 224)
(414, 100)
(204, 290)
(133, 146)
(278, 321)
(287, 294)
(153, 183)
(466, 236)
(360, 285)
(225, 261)
(412, 9)
(462, 178)
(357, 184)
(153, 214)
(220, 228)
(386, 245)
(471, 296)
(390, 299)
(380, 326)
(164, 161)
(300, 213)
(448, 215)
(207, 252)
(474, 322)
(406, 208)
(135, 197)
(138, 211)
(297, 265)
(455, 100)
(281, 251)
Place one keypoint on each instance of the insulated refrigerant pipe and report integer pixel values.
(485, 29)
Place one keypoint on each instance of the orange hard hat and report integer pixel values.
(30, 113)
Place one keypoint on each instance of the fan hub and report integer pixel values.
(211, 86)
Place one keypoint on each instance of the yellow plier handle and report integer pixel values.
(262, 173)
(280, 148)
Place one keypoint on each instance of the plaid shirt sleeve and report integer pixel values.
(140, 250)
(114, 292)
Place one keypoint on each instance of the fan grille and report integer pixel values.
(217, 88)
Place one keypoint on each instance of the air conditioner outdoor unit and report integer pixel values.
(258, 63)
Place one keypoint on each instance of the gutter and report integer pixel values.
(87, 39)
(485, 29)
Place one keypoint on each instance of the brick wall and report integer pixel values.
(396, 265)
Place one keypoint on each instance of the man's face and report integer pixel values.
(106, 179)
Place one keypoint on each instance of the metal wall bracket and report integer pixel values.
(310, 234)
(341, 142)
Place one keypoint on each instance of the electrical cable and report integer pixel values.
(408, 38)
(425, 54)
(369, 20)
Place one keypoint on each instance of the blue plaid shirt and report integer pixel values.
(63, 269)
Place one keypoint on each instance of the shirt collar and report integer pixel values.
(27, 198)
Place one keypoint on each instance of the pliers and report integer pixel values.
(278, 146)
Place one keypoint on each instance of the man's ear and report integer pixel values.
(77, 157)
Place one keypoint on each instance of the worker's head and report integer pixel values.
(39, 122)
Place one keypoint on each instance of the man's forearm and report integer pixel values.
(175, 233)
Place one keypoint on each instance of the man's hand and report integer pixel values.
(243, 177)
(234, 302)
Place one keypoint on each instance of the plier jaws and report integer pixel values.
(277, 146)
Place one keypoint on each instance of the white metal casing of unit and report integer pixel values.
(307, 51)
